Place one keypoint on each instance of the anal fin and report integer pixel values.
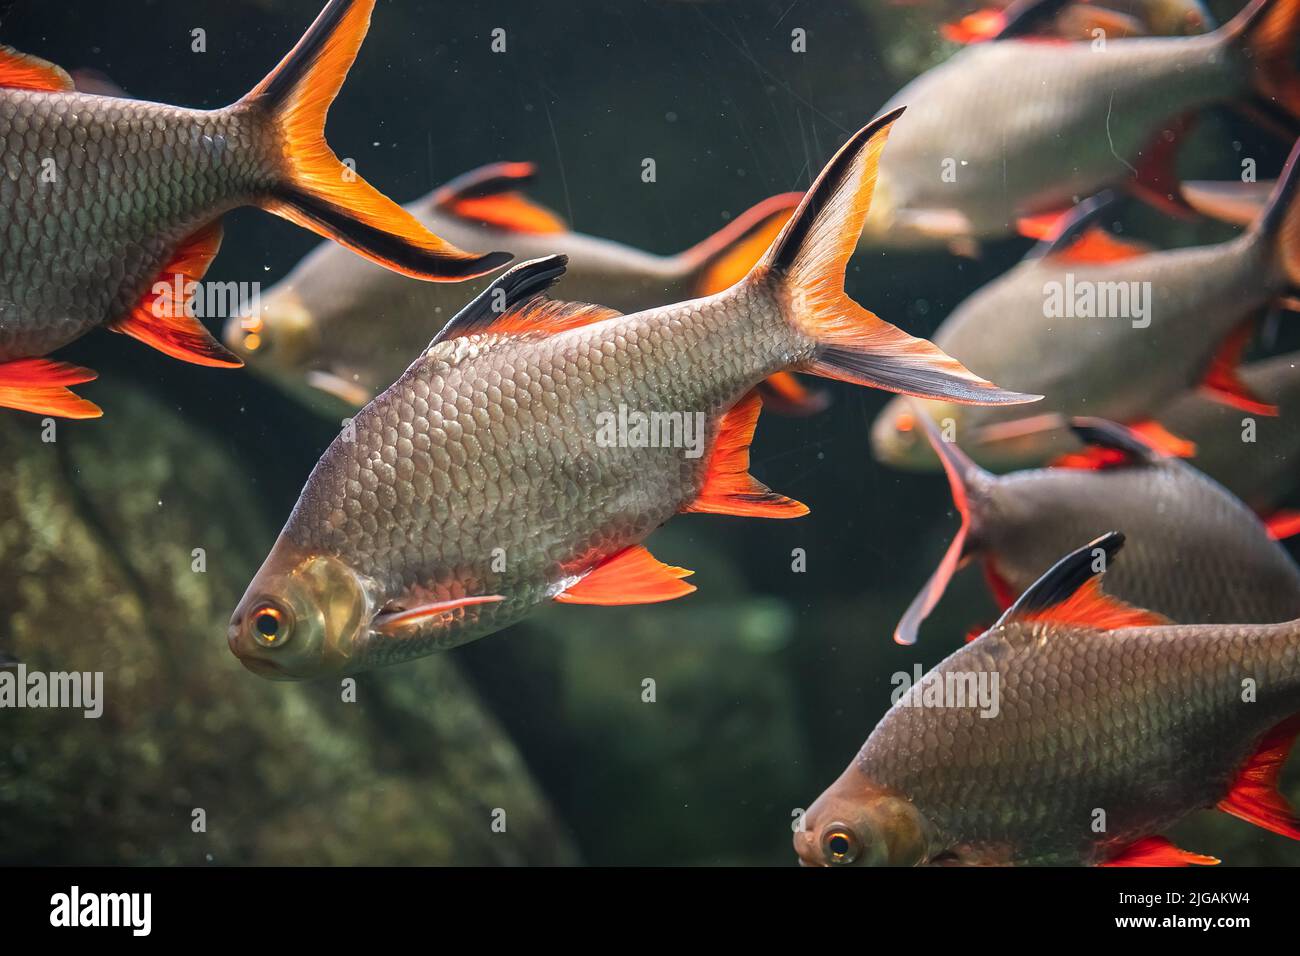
(40, 386)
(1158, 851)
(161, 319)
(632, 576)
(729, 488)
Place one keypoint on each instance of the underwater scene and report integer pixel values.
(650, 432)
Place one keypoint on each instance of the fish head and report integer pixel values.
(859, 823)
(303, 616)
(281, 336)
(898, 439)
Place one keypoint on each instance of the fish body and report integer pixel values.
(1106, 729)
(502, 469)
(1104, 107)
(1255, 457)
(110, 204)
(339, 327)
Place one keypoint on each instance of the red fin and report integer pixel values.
(633, 576)
(1098, 245)
(20, 71)
(784, 394)
(1091, 607)
(1157, 851)
(1160, 438)
(160, 320)
(549, 315)
(1003, 593)
(1045, 225)
(1282, 524)
(1156, 179)
(40, 386)
(1254, 796)
(1223, 379)
(424, 612)
(1091, 459)
(726, 257)
(975, 27)
(1268, 30)
(729, 488)
(976, 632)
(322, 194)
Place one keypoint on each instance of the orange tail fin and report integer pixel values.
(319, 192)
(1270, 30)
(806, 265)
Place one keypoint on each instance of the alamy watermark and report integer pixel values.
(78, 690)
(630, 428)
(205, 300)
(1090, 299)
(959, 689)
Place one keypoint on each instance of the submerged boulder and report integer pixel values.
(124, 545)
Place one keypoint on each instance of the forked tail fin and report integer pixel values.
(1270, 32)
(806, 265)
(322, 194)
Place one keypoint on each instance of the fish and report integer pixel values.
(504, 469)
(1100, 725)
(1254, 457)
(1079, 21)
(1117, 112)
(1196, 554)
(1162, 322)
(111, 210)
(337, 330)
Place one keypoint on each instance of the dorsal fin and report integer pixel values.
(516, 302)
(1083, 239)
(1029, 19)
(1070, 593)
(22, 71)
(489, 195)
(1110, 445)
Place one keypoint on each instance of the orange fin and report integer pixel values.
(1254, 795)
(1109, 445)
(320, 193)
(1044, 226)
(488, 195)
(805, 267)
(962, 474)
(516, 303)
(21, 71)
(784, 394)
(1283, 523)
(729, 488)
(1159, 437)
(1158, 851)
(414, 616)
(724, 258)
(161, 318)
(633, 576)
(975, 27)
(1070, 593)
(40, 386)
(1223, 379)
(1096, 244)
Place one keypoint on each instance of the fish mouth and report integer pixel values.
(264, 668)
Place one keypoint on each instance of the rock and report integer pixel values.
(98, 538)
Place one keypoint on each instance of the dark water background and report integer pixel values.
(768, 681)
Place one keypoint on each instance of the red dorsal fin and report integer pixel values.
(1161, 438)
(975, 27)
(1044, 225)
(1070, 593)
(161, 318)
(632, 576)
(1096, 244)
(1283, 523)
(487, 195)
(729, 488)
(40, 386)
(21, 71)
(1158, 851)
(1108, 445)
(413, 616)
(1223, 377)
(1254, 795)
(515, 303)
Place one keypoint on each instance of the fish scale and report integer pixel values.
(1144, 724)
(126, 169)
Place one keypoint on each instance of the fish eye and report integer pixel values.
(271, 626)
(840, 844)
